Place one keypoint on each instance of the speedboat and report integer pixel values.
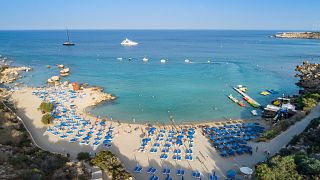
(128, 42)
(254, 112)
(145, 59)
(187, 61)
(119, 58)
(163, 61)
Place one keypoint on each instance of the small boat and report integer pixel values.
(241, 104)
(273, 91)
(163, 61)
(119, 58)
(128, 42)
(68, 42)
(145, 59)
(264, 93)
(254, 112)
(233, 98)
(242, 88)
(187, 61)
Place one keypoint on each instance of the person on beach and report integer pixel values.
(257, 148)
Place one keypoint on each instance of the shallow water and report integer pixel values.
(152, 92)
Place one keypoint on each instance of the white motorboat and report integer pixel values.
(128, 42)
(187, 61)
(119, 58)
(254, 112)
(163, 61)
(145, 59)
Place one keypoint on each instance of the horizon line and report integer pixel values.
(155, 29)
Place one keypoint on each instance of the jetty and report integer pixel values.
(246, 97)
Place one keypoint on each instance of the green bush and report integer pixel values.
(83, 156)
(46, 118)
(308, 101)
(306, 165)
(46, 107)
(19, 161)
(278, 168)
(111, 164)
(33, 174)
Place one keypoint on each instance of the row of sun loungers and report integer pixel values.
(167, 172)
(164, 141)
(232, 139)
(68, 124)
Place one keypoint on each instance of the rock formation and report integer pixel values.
(309, 74)
(299, 35)
(11, 74)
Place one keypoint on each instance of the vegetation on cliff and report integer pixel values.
(299, 160)
(21, 159)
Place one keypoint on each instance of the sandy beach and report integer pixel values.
(127, 140)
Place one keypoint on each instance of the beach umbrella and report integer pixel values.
(231, 173)
(246, 170)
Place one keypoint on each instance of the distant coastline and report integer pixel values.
(298, 35)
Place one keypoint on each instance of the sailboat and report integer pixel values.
(68, 42)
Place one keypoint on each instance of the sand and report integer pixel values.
(127, 140)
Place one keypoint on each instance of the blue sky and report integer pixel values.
(160, 14)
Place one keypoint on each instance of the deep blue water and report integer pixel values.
(152, 92)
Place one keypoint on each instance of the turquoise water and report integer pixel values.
(151, 92)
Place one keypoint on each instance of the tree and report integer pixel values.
(306, 165)
(46, 118)
(83, 156)
(278, 168)
(111, 164)
(46, 107)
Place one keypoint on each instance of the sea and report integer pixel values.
(174, 92)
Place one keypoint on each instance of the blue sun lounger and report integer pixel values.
(153, 177)
(213, 177)
(73, 140)
(151, 170)
(189, 157)
(180, 172)
(108, 145)
(138, 169)
(63, 136)
(153, 150)
(196, 174)
(176, 157)
(166, 170)
(163, 156)
(96, 143)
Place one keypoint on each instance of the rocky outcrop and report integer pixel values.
(299, 35)
(11, 74)
(309, 74)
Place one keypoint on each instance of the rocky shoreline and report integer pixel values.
(298, 35)
(309, 76)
